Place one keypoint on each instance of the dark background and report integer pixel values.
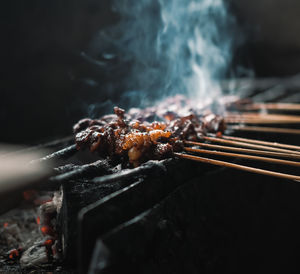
(48, 81)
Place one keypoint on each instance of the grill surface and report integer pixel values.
(175, 216)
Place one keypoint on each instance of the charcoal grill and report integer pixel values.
(174, 216)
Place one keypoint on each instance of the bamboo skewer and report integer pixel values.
(244, 156)
(259, 142)
(257, 118)
(242, 144)
(239, 167)
(259, 121)
(271, 106)
(245, 150)
(266, 116)
(265, 129)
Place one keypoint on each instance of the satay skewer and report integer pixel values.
(243, 156)
(231, 120)
(239, 167)
(265, 116)
(259, 142)
(245, 150)
(271, 106)
(265, 129)
(248, 145)
(257, 118)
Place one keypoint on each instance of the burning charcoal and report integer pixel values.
(47, 214)
(28, 228)
(14, 253)
(52, 206)
(34, 256)
(29, 195)
(48, 243)
(47, 230)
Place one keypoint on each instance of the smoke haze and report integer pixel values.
(169, 47)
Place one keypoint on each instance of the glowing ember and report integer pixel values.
(14, 254)
(29, 195)
(49, 242)
(47, 230)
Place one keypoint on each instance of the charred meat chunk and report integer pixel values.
(131, 137)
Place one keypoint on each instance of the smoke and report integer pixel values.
(168, 47)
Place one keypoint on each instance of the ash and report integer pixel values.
(28, 236)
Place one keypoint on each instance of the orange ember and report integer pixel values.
(48, 242)
(29, 195)
(47, 230)
(13, 254)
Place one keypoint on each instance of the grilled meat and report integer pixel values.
(132, 137)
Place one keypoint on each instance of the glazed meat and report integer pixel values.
(115, 136)
(133, 138)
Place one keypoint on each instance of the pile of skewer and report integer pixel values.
(250, 117)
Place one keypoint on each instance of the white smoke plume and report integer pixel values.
(171, 46)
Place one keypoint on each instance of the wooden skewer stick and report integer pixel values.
(271, 106)
(245, 150)
(259, 142)
(266, 129)
(244, 156)
(263, 116)
(236, 166)
(256, 118)
(242, 144)
(259, 121)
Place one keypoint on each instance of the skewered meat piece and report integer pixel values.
(122, 138)
(213, 123)
(130, 137)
